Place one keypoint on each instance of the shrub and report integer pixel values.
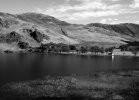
(23, 45)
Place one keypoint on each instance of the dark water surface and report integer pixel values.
(15, 67)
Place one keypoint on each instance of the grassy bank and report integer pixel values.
(101, 54)
(95, 86)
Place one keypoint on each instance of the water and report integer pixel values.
(15, 67)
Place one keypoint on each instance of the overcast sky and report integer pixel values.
(78, 11)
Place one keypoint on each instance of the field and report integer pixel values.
(95, 86)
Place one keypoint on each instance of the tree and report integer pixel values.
(23, 45)
(92, 49)
(124, 47)
(109, 50)
(72, 47)
(63, 47)
(96, 49)
(101, 50)
(134, 50)
(83, 49)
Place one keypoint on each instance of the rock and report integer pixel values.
(36, 34)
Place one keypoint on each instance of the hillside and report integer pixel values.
(80, 33)
(32, 29)
(41, 19)
(127, 30)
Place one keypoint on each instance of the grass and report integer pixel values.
(95, 86)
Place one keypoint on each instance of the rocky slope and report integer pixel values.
(32, 29)
(78, 33)
(126, 30)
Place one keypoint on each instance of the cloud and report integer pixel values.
(62, 14)
(135, 4)
(109, 21)
(103, 21)
(86, 9)
(137, 22)
(87, 14)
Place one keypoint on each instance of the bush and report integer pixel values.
(23, 45)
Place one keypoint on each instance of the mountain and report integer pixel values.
(41, 19)
(79, 33)
(34, 29)
(127, 30)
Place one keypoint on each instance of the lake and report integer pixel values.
(15, 67)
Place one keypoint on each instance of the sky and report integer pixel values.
(78, 11)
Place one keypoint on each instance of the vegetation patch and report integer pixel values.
(10, 37)
(104, 86)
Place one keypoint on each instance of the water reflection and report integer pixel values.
(112, 58)
(23, 66)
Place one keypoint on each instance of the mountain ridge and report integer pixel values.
(33, 27)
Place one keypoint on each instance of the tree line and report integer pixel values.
(59, 48)
(127, 47)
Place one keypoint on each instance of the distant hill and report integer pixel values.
(41, 19)
(128, 29)
(34, 29)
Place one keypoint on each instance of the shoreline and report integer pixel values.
(68, 53)
(85, 54)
